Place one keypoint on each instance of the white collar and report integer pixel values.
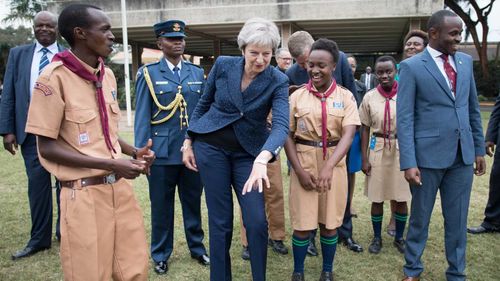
(434, 53)
(171, 65)
(53, 49)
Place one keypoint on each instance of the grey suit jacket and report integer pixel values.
(16, 91)
(433, 124)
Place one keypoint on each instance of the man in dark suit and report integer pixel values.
(438, 84)
(24, 65)
(299, 45)
(369, 79)
(491, 222)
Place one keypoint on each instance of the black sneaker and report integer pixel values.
(245, 254)
(311, 248)
(278, 246)
(400, 245)
(375, 246)
(326, 276)
(296, 276)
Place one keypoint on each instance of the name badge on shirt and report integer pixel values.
(161, 82)
(83, 138)
(301, 123)
(373, 142)
(338, 105)
(195, 83)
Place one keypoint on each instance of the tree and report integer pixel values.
(482, 18)
(9, 38)
(24, 10)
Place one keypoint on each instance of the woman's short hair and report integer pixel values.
(417, 33)
(298, 43)
(327, 45)
(260, 32)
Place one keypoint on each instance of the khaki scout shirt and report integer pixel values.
(371, 112)
(305, 114)
(64, 107)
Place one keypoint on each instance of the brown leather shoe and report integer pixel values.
(408, 278)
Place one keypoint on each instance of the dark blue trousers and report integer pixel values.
(162, 183)
(492, 211)
(220, 170)
(39, 195)
(454, 185)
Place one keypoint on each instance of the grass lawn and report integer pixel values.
(483, 253)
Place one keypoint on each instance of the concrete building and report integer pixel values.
(362, 27)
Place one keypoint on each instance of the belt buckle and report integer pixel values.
(110, 179)
(320, 144)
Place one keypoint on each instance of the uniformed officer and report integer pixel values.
(323, 120)
(167, 92)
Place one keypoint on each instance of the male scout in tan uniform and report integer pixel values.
(75, 116)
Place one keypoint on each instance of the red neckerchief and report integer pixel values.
(387, 110)
(323, 97)
(72, 63)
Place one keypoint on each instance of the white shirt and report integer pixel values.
(35, 63)
(171, 66)
(435, 54)
(367, 81)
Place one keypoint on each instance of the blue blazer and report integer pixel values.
(492, 133)
(223, 103)
(16, 91)
(167, 136)
(431, 122)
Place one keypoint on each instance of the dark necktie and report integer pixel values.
(176, 74)
(44, 60)
(450, 72)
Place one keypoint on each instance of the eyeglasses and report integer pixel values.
(285, 59)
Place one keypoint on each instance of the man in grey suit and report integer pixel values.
(23, 67)
(369, 79)
(440, 139)
(491, 222)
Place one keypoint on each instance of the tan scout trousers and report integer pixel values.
(273, 200)
(102, 234)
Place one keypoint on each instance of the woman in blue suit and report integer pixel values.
(230, 146)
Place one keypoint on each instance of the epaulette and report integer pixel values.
(49, 69)
(190, 63)
(139, 71)
(342, 87)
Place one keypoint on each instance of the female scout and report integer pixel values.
(323, 119)
(384, 181)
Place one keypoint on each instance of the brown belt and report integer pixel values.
(390, 136)
(317, 143)
(108, 179)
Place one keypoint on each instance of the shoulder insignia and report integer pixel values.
(45, 89)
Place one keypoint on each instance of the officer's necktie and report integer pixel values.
(450, 72)
(44, 60)
(176, 74)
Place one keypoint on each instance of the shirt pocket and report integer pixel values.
(114, 117)
(334, 122)
(195, 87)
(160, 136)
(82, 125)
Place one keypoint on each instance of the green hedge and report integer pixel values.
(488, 88)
